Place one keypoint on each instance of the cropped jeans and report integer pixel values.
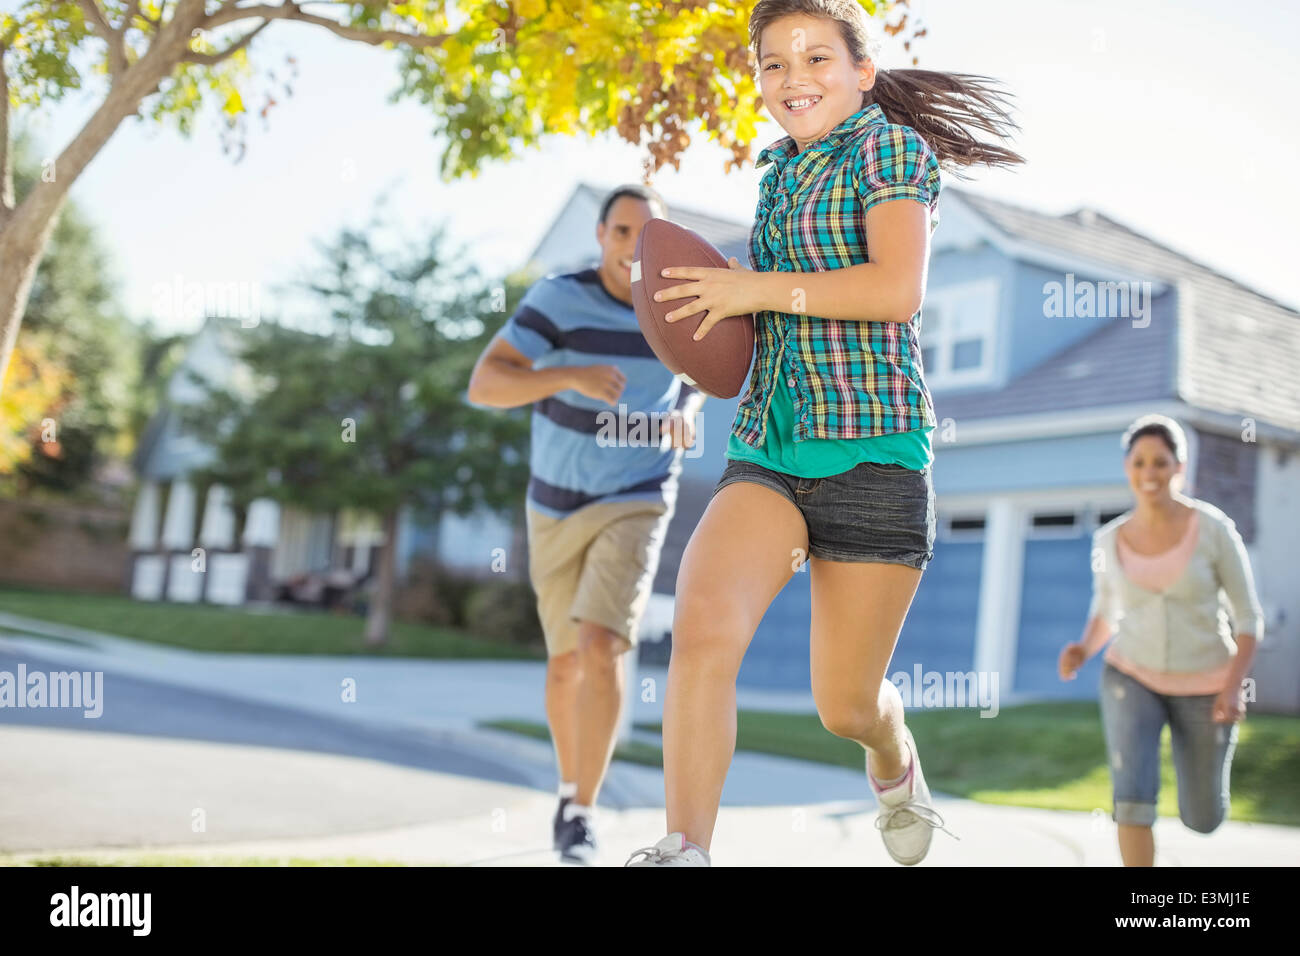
(1133, 717)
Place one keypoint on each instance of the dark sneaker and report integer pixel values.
(578, 841)
(557, 828)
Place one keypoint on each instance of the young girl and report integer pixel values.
(829, 455)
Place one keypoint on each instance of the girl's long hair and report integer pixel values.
(944, 108)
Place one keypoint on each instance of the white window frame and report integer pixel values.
(1081, 528)
(946, 532)
(982, 298)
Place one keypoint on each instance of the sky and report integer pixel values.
(1178, 120)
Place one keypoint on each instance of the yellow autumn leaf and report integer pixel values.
(532, 9)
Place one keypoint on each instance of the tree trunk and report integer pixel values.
(381, 601)
(26, 228)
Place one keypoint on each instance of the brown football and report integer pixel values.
(717, 363)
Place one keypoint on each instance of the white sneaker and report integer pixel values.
(907, 818)
(672, 850)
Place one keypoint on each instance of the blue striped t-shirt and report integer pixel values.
(584, 450)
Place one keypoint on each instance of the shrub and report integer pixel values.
(434, 594)
(504, 610)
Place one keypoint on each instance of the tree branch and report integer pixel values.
(292, 11)
(96, 16)
(116, 50)
(132, 11)
(211, 59)
(6, 159)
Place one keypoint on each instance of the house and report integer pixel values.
(187, 550)
(1043, 337)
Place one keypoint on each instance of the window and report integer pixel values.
(1055, 521)
(957, 327)
(1055, 524)
(961, 527)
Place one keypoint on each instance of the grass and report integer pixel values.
(1049, 755)
(161, 859)
(235, 630)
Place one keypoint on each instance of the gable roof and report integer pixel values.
(1101, 369)
(1233, 349)
(1214, 343)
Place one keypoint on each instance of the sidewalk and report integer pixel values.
(777, 811)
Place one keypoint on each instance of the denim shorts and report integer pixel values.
(870, 513)
(1133, 717)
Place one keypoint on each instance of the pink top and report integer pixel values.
(1156, 572)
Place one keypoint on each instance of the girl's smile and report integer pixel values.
(801, 105)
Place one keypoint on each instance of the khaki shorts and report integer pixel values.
(598, 564)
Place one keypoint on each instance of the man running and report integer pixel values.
(598, 506)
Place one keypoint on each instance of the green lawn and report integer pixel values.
(1048, 755)
(207, 628)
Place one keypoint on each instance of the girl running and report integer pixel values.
(829, 457)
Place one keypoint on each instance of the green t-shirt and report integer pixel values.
(823, 457)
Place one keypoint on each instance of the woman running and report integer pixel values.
(829, 456)
(1157, 573)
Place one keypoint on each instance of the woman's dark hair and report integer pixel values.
(636, 191)
(943, 108)
(1164, 428)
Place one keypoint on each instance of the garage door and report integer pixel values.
(1054, 597)
(939, 633)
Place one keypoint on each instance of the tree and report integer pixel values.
(369, 412)
(505, 75)
(74, 325)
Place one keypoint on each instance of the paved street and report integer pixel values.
(253, 754)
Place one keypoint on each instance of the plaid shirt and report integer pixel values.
(848, 379)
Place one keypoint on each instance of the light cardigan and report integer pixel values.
(1156, 572)
(1186, 626)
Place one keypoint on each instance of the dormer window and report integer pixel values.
(957, 329)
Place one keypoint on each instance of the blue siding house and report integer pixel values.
(1043, 337)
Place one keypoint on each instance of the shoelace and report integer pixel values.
(584, 834)
(652, 854)
(925, 814)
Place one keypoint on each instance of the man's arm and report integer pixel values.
(504, 377)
